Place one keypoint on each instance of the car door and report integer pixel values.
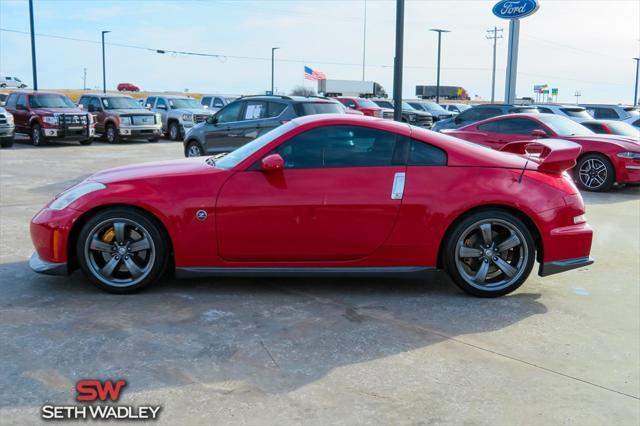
(336, 199)
(96, 107)
(162, 107)
(220, 135)
(22, 114)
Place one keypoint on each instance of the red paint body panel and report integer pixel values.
(328, 217)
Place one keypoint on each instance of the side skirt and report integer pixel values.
(402, 271)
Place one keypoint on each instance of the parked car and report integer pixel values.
(366, 106)
(7, 128)
(433, 108)
(612, 127)
(120, 117)
(248, 118)
(325, 194)
(627, 113)
(3, 98)
(573, 112)
(12, 82)
(215, 102)
(481, 112)
(456, 108)
(409, 114)
(127, 87)
(49, 115)
(604, 159)
(179, 113)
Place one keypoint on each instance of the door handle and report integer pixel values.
(397, 191)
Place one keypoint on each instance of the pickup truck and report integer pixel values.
(179, 113)
(7, 129)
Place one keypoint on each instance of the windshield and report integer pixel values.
(234, 158)
(50, 101)
(623, 129)
(184, 103)
(633, 111)
(462, 107)
(405, 105)
(577, 112)
(366, 103)
(433, 107)
(564, 126)
(120, 103)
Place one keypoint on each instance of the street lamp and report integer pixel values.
(33, 47)
(439, 31)
(273, 51)
(104, 72)
(635, 93)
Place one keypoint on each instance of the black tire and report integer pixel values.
(193, 150)
(594, 172)
(468, 237)
(115, 255)
(37, 135)
(86, 141)
(111, 134)
(3, 85)
(6, 143)
(174, 130)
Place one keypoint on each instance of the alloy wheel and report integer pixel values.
(194, 151)
(593, 173)
(491, 254)
(120, 252)
(111, 134)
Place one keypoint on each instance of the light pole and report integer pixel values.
(577, 95)
(495, 38)
(33, 47)
(364, 39)
(273, 51)
(397, 62)
(439, 31)
(104, 70)
(635, 93)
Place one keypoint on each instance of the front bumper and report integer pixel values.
(555, 267)
(140, 131)
(7, 132)
(48, 268)
(71, 134)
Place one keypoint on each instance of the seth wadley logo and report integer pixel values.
(89, 391)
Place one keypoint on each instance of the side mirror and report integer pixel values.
(80, 106)
(272, 163)
(212, 120)
(205, 106)
(457, 119)
(539, 133)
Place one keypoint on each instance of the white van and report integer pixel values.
(11, 82)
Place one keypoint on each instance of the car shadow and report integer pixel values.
(266, 335)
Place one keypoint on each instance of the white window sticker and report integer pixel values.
(253, 111)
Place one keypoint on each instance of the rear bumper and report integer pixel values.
(555, 267)
(48, 268)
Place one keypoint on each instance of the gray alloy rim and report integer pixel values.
(173, 132)
(120, 252)
(491, 254)
(194, 151)
(593, 173)
(111, 134)
(36, 136)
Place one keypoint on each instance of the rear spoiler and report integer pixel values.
(551, 155)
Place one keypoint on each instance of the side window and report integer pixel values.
(161, 102)
(518, 126)
(492, 126)
(22, 101)
(218, 103)
(339, 146)
(229, 113)
(84, 101)
(596, 127)
(423, 154)
(275, 109)
(255, 110)
(11, 100)
(206, 101)
(349, 103)
(605, 113)
(471, 115)
(95, 103)
(489, 112)
(151, 100)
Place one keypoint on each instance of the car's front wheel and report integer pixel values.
(37, 135)
(111, 133)
(594, 172)
(174, 131)
(122, 250)
(194, 150)
(489, 253)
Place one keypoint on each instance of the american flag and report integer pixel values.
(310, 74)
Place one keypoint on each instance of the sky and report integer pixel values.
(572, 45)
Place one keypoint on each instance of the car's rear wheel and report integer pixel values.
(111, 133)
(194, 150)
(174, 131)
(594, 172)
(37, 135)
(489, 253)
(122, 250)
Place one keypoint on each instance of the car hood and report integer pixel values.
(191, 110)
(60, 110)
(624, 142)
(416, 112)
(160, 169)
(132, 111)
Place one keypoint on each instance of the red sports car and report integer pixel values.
(332, 194)
(605, 159)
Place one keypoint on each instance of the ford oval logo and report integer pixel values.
(514, 9)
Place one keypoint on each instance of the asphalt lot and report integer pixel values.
(561, 350)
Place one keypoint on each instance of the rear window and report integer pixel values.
(576, 112)
(633, 111)
(310, 108)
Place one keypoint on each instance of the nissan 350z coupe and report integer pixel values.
(331, 194)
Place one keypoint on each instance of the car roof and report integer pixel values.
(38, 92)
(111, 95)
(355, 120)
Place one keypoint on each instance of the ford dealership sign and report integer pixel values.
(515, 9)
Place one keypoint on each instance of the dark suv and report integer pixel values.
(481, 112)
(49, 115)
(249, 117)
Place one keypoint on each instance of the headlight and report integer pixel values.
(158, 118)
(125, 120)
(187, 117)
(629, 154)
(72, 194)
(412, 117)
(10, 119)
(50, 120)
